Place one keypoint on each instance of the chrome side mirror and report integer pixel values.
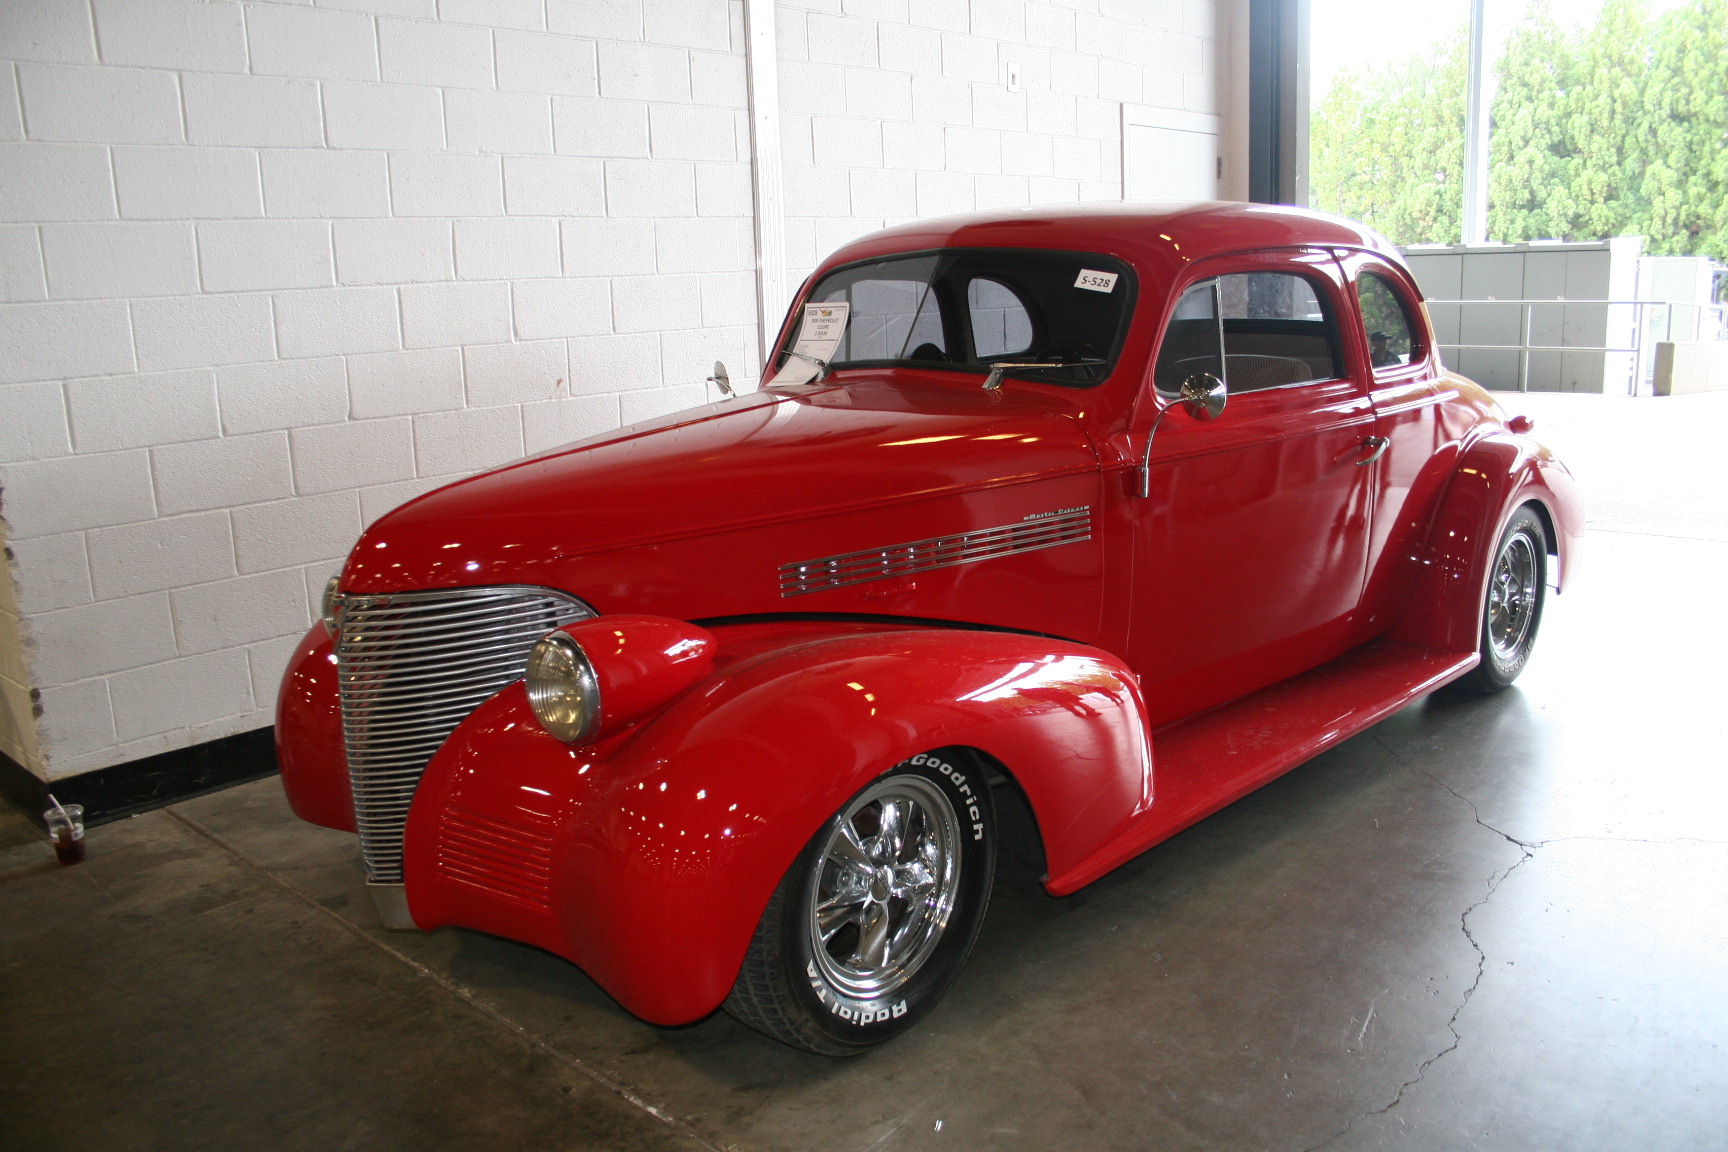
(1203, 396)
(722, 379)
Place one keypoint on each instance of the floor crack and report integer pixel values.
(1526, 852)
(1475, 813)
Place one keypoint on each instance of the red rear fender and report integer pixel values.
(1493, 478)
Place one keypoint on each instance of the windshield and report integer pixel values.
(964, 310)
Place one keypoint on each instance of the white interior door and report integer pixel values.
(1169, 155)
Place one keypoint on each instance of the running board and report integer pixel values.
(1201, 764)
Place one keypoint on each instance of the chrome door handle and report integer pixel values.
(1379, 444)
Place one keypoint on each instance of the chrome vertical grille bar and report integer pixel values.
(411, 666)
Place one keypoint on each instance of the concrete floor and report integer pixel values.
(1487, 923)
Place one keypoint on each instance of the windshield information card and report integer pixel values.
(818, 340)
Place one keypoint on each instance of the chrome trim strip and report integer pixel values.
(1042, 530)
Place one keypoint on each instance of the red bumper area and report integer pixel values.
(513, 833)
(309, 735)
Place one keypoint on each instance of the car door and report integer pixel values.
(1251, 541)
(1393, 358)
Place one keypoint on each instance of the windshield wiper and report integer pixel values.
(993, 382)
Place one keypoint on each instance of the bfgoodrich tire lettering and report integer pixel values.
(877, 914)
(1512, 605)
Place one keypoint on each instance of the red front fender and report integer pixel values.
(647, 860)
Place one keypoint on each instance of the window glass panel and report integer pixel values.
(1268, 296)
(887, 311)
(1388, 324)
(1000, 325)
(926, 341)
(1191, 342)
(955, 308)
(1276, 331)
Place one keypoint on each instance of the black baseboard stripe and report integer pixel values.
(140, 785)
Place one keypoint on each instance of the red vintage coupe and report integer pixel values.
(1131, 507)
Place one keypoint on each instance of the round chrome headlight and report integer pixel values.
(331, 608)
(562, 688)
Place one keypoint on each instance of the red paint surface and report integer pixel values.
(640, 663)
(668, 842)
(309, 735)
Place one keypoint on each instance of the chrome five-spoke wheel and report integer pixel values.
(890, 872)
(1512, 608)
(1513, 594)
(877, 914)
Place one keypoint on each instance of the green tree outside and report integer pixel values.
(1617, 129)
(1386, 145)
(1685, 183)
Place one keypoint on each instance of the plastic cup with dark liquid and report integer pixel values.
(66, 829)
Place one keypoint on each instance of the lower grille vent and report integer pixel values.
(411, 667)
(504, 859)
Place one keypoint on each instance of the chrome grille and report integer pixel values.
(1044, 530)
(411, 666)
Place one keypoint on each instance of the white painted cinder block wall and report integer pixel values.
(269, 269)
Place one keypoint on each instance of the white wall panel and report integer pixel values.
(395, 251)
(403, 383)
(100, 105)
(139, 411)
(252, 111)
(437, 315)
(97, 261)
(281, 394)
(61, 31)
(192, 34)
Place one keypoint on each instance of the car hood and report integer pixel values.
(769, 457)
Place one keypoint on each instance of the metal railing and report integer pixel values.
(1642, 323)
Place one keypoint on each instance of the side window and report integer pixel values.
(1391, 335)
(1192, 343)
(1276, 331)
(1000, 324)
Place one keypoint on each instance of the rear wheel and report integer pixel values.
(877, 914)
(1512, 608)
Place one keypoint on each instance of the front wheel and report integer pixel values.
(877, 914)
(1512, 609)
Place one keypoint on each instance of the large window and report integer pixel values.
(1387, 127)
(1601, 120)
